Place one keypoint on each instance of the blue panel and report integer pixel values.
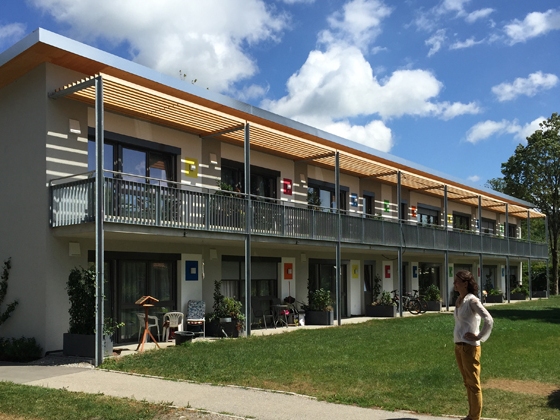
(191, 270)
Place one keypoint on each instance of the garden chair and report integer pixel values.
(172, 320)
(152, 322)
(259, 311)
(196, 311)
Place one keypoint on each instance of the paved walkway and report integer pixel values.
(241, 402)
(74, 375)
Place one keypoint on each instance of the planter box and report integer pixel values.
(434, 305)
(384, 311)
(494, 299)
(517, 296)
(319, 318)
(541, 294)
(82, 345)
(214, 329)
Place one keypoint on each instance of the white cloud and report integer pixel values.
(529, 86)
(478, 14)
(489, 128)
(357, 24)
(11, 32)
(451, 6)
(298, 1)
(435, 42)
(465, 44)
(535, 24)
(205, 40)
(473, 178)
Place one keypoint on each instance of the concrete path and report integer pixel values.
(242, 402)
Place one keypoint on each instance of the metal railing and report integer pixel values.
(153, 202)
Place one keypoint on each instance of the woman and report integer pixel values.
(468, 336)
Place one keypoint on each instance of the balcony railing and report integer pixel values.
(160, 203)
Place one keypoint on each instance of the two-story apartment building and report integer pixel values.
(198, 187)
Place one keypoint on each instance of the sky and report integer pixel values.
(451, 85)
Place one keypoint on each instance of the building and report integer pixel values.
(179, 162)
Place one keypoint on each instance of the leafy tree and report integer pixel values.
(4, 290)
(533, 174)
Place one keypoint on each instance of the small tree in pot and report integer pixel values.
(80, 339)
(319, 310)
(228, 314)
(432, 295)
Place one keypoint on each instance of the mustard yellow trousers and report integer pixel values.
(468, 360)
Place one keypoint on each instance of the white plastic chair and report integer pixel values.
(152, 322)
(196, 310)
(172, 320)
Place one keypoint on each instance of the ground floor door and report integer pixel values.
(322, 275)
(131, 276)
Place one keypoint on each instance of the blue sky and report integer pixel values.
(452, 85)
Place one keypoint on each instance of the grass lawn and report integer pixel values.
(29, 402)
(395, 364)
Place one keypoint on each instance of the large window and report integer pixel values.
(322, 195)
(263, 181)
(461, 221)
(136, 159)
(488, 226)
(264, 276)
(427, 215)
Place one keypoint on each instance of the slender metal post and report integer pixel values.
(530, 250)
(508, 271)
(446, 254)
(399, 251)
(99, 218)
(248, 227)
(481, 268)
(339, 235)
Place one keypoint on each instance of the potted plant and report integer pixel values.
(383, 307)
(432, 296)
(80, 338)
(519, 293)
(227, 315)
(319, 309)
(495, 296)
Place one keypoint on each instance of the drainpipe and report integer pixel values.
(399, 251)
(99, 218)
(446, 255)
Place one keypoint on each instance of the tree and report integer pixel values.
(533, 174)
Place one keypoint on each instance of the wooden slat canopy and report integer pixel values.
(138, 101)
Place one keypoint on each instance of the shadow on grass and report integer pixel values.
(554, 400)
(551, 315)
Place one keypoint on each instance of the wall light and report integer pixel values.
(75, 127)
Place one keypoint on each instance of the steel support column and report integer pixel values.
(339, 235)
(248, 227)
(99, 218)
(399, 251)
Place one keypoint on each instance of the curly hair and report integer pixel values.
(465, 275)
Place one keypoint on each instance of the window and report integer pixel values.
(427, 216)
(264, 273)
(461, 221)
(512, 230)
(263, 181)
(488, 226)
(369, 208)
(322, 194)
(136, 159)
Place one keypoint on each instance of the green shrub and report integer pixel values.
(20, 350)
(521, 289)
(432, 293)
(319, 300)
(385, 299)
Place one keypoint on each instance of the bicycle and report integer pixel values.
(410, 303)
(423, 303)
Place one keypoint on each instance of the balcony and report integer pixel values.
(150, 202)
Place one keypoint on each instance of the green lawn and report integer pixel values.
(29, 402)
(396, 364)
